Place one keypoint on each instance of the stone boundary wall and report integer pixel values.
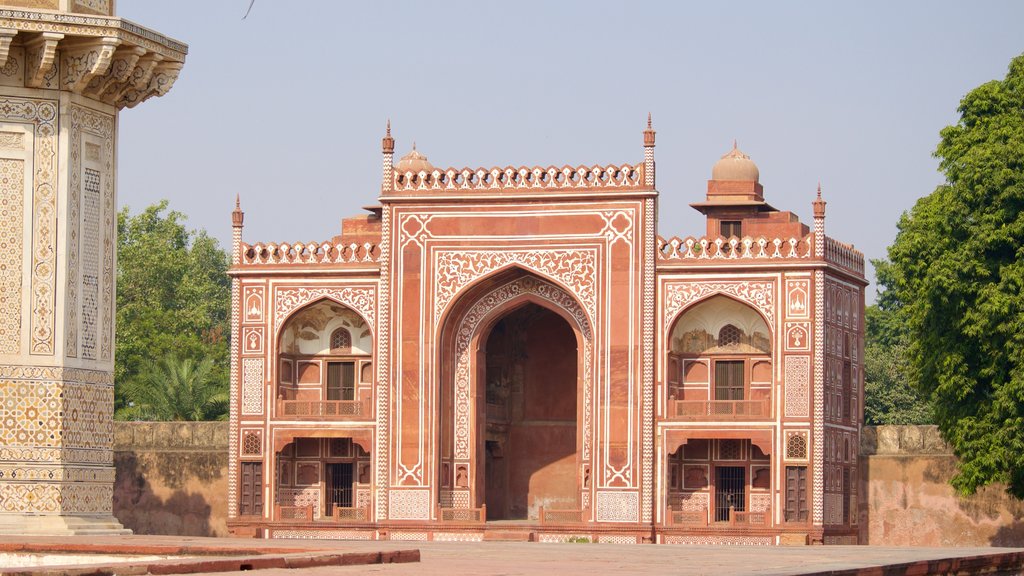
(907, 500)
(171, 477)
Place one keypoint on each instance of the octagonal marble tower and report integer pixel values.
(66, 68)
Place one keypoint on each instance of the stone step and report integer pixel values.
(507, 536)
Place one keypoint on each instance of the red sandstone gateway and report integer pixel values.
(514, 353)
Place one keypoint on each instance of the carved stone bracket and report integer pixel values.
(40, 56)
(161, 79)
(84, 61)
(118, 74)
(6, 36)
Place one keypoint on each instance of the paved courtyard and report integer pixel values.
(514, 558)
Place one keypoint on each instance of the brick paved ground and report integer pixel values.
(513, 558)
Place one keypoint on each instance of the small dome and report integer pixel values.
(735, 166)
(414, 162)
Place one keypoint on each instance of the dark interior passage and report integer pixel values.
(531, 387)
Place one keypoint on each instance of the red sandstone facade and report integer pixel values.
(515, 353)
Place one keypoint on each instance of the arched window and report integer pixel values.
(729, 335)
(341, 341)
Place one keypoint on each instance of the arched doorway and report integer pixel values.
(530, 421)
(501, 455)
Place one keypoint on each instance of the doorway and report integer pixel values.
(730, 491)
(531, 417)
(339, 486)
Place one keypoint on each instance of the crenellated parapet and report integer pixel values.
(844, 256)
(104, 58)
(702, 249)
(307, 253)
(610, 177)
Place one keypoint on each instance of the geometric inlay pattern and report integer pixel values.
(43, 114)
(617, 506)
(409, 504)
(90, 262)
(798, 376)
(12, 193)
(252, 385)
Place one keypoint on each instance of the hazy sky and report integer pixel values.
(287, 107)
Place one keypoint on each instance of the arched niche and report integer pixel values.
(719, 362)
(323, 349)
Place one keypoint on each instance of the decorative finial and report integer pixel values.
(734, 145)
(819, 205)
(414, 145)
(649, 133)
(237, 216)
(387, 143)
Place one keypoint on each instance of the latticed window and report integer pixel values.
(251, 445)
(729, 450)
(729, 335)
(796, 447)
(341, 340)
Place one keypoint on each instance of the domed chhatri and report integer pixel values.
(735, 165)
(414, 162)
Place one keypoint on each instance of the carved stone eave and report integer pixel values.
(40, 56)
(83, 60)
(78, 25)
(104, 58)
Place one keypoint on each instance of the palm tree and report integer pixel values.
(176, 389)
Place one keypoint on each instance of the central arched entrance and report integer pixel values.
(530, 420)
(516, 376)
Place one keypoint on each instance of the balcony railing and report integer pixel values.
(551, 516)
(722, 409)
(329, 409)
(700, 517)
(306, 514)
(463, 515)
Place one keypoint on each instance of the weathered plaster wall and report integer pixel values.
(908, 501)
(171, 477)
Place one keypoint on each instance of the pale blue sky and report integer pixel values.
(287, 107)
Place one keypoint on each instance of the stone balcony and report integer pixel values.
(719, 410)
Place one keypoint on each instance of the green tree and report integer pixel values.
(176, 389)
(953, 278)
(173, 297)
(889, 398)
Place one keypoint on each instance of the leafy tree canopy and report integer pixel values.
(173, 298)
(888, 396)
(954, 277)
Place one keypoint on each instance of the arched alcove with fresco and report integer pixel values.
(324, 363)
(719, 362)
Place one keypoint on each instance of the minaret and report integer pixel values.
(387, 145)
(649, 134)
(819, 224)
(67, 67)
